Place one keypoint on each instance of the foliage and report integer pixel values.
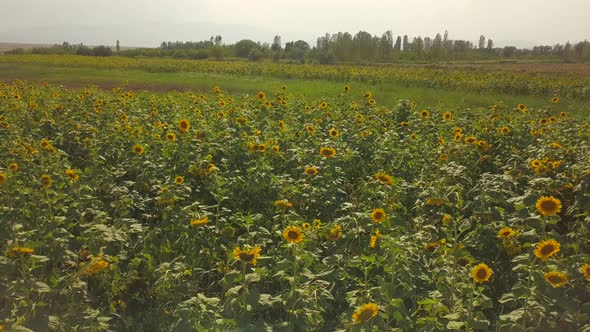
(128, 210)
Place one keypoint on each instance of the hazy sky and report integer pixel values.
(146, 22)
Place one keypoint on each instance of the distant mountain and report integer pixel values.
(144, 35)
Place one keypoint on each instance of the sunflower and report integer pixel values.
(221, 103)
(546, 249)
(247, 255)
(335, 233)
(184, 125)
(414, 136)
(481, 273)
(261, 147)
(443, 157)
(45, 144)
(179, 180)
(384, 178)
(323, 105)
(372, 101)
(327, 152)
(365, 313)
(521, 107)
(261, 95)
(548, 205)
(374, 239)
(13, 167)
(534, 132)
(275, 148)
(367, 94)
(124, 117)
(293, 234)
(378, 215)
(310, 129)
(446, 219)
(139, 149)
(333, 133)
(283, 88)
(200, 222)
(346, 88)
(543, 121)
(19, 251)
(425, 113)
(536, 163)
(311, 170)
(306, 226)
(317, 223)
(3, 178)
(404, 124)
(555, 278)
(268, 103)
(552, 119)
(441, 141)
(46, 181)
(72, 174)
(171, 137)
(283, 204)
(464, 261)
(506, 232)
(447, 116)
(555, 100)
(563, 114)
(555, 145)
(585, 269)
(505, 130)
(470, 139)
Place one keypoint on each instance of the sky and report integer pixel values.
(149, 22)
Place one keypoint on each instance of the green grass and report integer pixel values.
(386, 94)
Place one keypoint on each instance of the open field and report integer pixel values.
(186, 195)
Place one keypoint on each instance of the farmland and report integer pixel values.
(197, 196)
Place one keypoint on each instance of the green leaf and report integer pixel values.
(452, 325)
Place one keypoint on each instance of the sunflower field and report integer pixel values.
(135, 211)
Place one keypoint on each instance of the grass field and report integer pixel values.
(202, 196)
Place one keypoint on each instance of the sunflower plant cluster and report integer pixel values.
(131, 210)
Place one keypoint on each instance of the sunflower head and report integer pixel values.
(521, 107)
(335, 233)
(470, 139)
(506, 232)
(378, 215)
(247, 254)
(327, 152)
(333, 133)
(13, 167)
(311, 170)
(384, 178)
(481, 273)
(306, 226)
(447, 116)
(548, 205)
(72, 175)
(198, 222)
(555, 278)
(261, 95)
(3, 177)
(184, 125)
(283, 204)
(139, 149)
(179, 180)
(585, 269)
(425, 113)
(365, 313)
(505, 130)
(546, 249)
(374, 239)
(404, 124)
(293, 234)
(555, 100)
(171, 137)
(446, 219)
(323, 105)
(46, 181)
(346, 88)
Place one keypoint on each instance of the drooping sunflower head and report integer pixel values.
(384, 178)
(333, 133)
(293, 234)
(443, 157)
(378, 215)
(46, 181)
(481, 273)
(3, 177)
(374, 239)
(198, 222)
(404, 124)
(365, 313)
(283, 204)
(184, 125)
(555, 100)
(335, 233)
(556, 278)
(464, 261)
(548, 205)
(179, 180)
(546, 249)
(585, 269)
(327, 152)
(72, 175)
(311, 170)
(247, 254)
(506, 232)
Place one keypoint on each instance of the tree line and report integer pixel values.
(337, 48)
